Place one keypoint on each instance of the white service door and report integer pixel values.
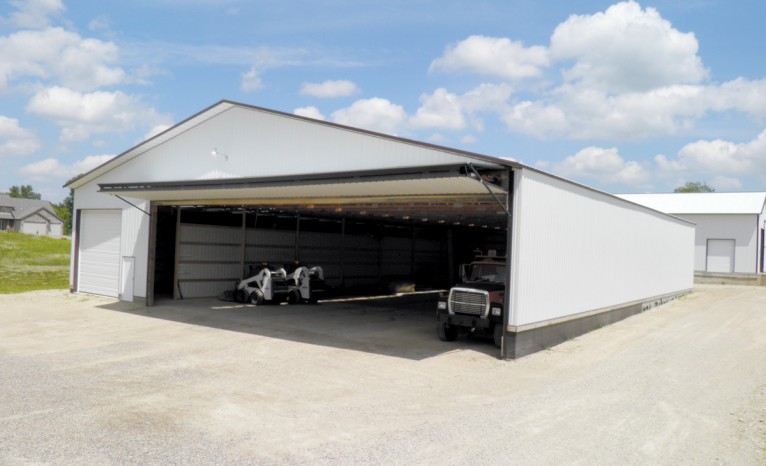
(99, 267)
(720, 255)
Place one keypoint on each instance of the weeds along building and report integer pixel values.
(184, 213)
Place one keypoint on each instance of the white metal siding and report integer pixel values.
(99, 255)
(577, 250)
(261, 144)
(134, 237)
(743, 229)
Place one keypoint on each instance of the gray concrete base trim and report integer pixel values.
(713, 278)
(530, 341)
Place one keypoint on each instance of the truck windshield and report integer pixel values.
(487, 273)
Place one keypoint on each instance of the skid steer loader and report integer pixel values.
(306, 285)
(267, 283)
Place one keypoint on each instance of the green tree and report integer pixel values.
(694, 187)
(65, 209)
(25, 191)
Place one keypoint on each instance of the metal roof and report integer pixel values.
(23, 208)
(701, 203)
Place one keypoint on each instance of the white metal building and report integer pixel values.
(184, 213)
(730, 227)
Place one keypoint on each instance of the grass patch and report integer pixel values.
(29, 263)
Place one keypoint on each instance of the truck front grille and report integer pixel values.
(468, 302)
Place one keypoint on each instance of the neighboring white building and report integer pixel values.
(184, 213)
(730, 227)
(31, 216)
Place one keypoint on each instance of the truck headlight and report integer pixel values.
(496, 311)
(442, 305)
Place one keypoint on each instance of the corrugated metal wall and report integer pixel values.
(209, 256)
(576, 250)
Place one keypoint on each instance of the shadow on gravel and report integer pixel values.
(397, 326)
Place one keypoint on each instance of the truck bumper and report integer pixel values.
(466, 321)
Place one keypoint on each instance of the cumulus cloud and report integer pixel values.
(55, 54)
(626, 48)
(82, 114)
(309, 112)
(35, 14)
(15, 140)
(493, 56)
(251, 80)
(720, 157)
(625, 74)
(606, 166)
(439, 110)
(51, 168)
(329, 89)
(374, 114)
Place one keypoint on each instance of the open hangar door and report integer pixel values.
(366, 230)
(363, 249)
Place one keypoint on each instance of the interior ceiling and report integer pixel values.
(441, 196)
(474, 211)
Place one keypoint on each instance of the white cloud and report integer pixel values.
(605, 166)
(35, 14)
(493, 56)
(56, 55)
(374, 114)
(468, 139)
(626, 48)
(721, 158)
(15, 140)
(251, 81)
(723, 162)
(725, 183)
(82, 114)
(309, 112)
(328, 89)
(51, 168)
(439, 110)
(536, 119)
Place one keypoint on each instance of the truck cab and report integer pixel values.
(475, 306)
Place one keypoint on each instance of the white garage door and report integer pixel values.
(31, 228)
(99, 267)
(720, 255)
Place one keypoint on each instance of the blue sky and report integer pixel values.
(620, 96)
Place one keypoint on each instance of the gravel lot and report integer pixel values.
(86, 380)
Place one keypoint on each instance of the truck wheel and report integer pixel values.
(293, 297)
(498, 335)
(445, 332)
(256, 297)
(240, 296)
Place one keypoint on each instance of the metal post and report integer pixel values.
(506, 352)
(176, 284)
(152, 258)
(243, 245)
(342, 250)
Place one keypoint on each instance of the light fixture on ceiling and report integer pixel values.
(218, 155)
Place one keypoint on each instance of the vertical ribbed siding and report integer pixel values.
(135, 243)
(578, 250)
(209, 256)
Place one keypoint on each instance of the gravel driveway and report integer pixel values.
(86, 380)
